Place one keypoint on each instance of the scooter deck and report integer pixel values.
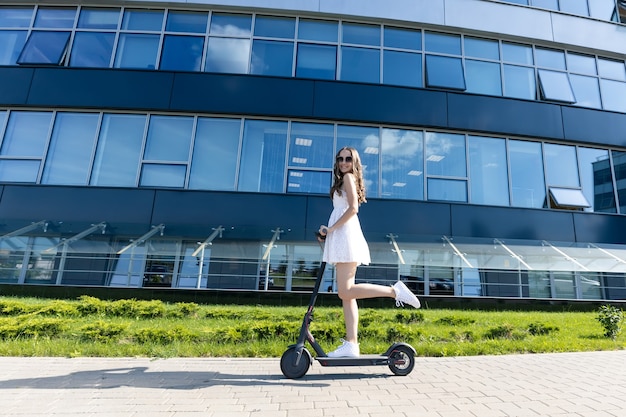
(362, 360)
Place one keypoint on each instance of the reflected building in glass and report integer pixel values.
(191, 146)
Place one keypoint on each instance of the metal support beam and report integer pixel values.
(102, 226)
(396, 248)
(155, 230)
(209, 241)
(19, 232)
(513, 254)
(266, 255)
(456, 250)
(565, 255)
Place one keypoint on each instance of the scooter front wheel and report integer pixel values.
(401, 360)
(288, 364)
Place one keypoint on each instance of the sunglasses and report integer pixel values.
(341, 159)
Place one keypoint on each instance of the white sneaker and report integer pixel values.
(404, 295)
(346, 350)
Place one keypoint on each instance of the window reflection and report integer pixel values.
(229, 55)
(316, 61)
(402, 68)
(12, 170)
(162, 175)
(169, 138)
(519, 82)
(402, 158)
(586, 91)
(275, 27)
(309, 182)
(561, 165)
(613, 93)
(360, 34)
(317, 30)
(555, 86)
(137, 51)
(619, 165)
(26, 134)
(271, 58)
(44, 48)
(444, 43)
(445, 72)
(11, 44)
(402, 38)
(55, 17)
(445, 154)
(360, 64)
(311, 145)
(231, 24)
(596, 179)
(92, 49)
(189, 22)
(367, 142)
(15, 17)
(440, 189)
(182, 53)
(483, 77)
(151, 20)
(526, 167)
(488, 171)
(98, 18)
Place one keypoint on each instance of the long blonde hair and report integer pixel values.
(357, 170)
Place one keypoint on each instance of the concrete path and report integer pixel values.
(568, 384)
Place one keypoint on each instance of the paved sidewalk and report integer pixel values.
(568, 384)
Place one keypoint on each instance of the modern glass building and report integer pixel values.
(190, 144)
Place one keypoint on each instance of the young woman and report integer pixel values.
(346, 248)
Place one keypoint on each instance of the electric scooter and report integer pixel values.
(295, 362)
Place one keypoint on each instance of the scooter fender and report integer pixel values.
(395, 345)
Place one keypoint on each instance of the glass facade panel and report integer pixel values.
(614, 70)
(12, 170)
(483, 77)
(519, 82)
(182, 53)
(137, 51)
(275, 27)
(402, 158)
(150, 20)
(564, 286)
(360, 64)
(231, 24)
(215, 154)
(44, 48)
(577, 7)
(488, 171)
(71, 146)
(187, 22)
(440, 189)
(581, 64)
(367, 142)
(11, 44)
(444, 72)
(309, 182)
(162, 175)
(26, 134)
(55, 17)
(263, 154)
(550, 58)
(590, 286)
(445, 155)
(526, 167)
(228, 55)
(271, 58)
(316, 61)
(169, 138)
(546, 4)
(596, 179)
(402, 68)
(92, 49)
(516, 53)
(481, 48)
(602, 9)
(586, 91)
(613, 93)
(311, 145)
(555, 86)
(402, 38)
(561, 165)
(444, 43)
(318, 30)
(15, 17)
(360, 34)
(99, 18)
(119, 150)
(619, 165)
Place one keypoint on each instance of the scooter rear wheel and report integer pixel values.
(288, 363)
(401, 361)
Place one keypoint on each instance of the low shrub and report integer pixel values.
(164, 336)
(455, 321)
(59, 308)
(409, 317)
(101, 331)
(537, 329)
(611, 319)
(500, 332)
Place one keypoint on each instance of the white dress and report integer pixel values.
(347, 243)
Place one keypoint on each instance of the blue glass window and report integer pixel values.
(555, 86)
(119, 150)
(613, 93)
(55, 17)
(215, 152)
(272, 58)
(550, 58)
(360, 34)
(317, 30)
(316, 61)
(169, 138)
(11, 44)
(488, 171)
(577, 7)
(15, 17)
(99, 18)
(182, 53)
(612, 69)
(586, 91)
(443, 43)
(310, 145)
(440, 189)
(519, 82)
(187, 22)
(481, 48)
(526, 167)
(70, 150)
(92, 49)
(402, 68)
(262, 167)
(137, 51)
(360, 64)
(26, 134)
(229, 55)
(44, 48)
(619, 163)
(596, 179)
(367, 142)
(308, 182)
(19, 170)
(275, 27)
(403, 38)
(231, 24)
(561, 165)
(546, 4)
(445, 154)
(161, 175)
(581, 64)
(142, 20)
(444, 72)
(517, 54)
(402, 164)
(483, 77)
(602, 9)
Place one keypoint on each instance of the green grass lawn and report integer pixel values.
(92, 327)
